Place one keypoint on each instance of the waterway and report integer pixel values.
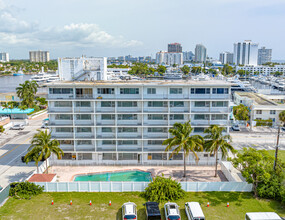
(10, 83)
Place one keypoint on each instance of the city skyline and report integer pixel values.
(74, 29)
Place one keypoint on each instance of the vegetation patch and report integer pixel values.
(24, 190)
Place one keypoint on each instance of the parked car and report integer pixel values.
(129, 211)
(171, 210)
(152, 211)
(45, 124)
(17, 127)
(262, 215)
(194, 211)
(283, 128)
(235, 128)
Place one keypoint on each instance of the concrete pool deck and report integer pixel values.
(194, 173)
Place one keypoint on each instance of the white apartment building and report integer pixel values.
(200, 53)
(167, 58)
(226, 58)
(4, 57)
(82, 68)
(264, 55)
(39, 56)
(261, 107)
(109, 122)
(245, 53)
(264, 70)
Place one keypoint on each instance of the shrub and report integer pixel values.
(24, 190)
(261, 122)
(163, 189)
(2, 129)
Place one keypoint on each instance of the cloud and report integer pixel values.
(14, 31)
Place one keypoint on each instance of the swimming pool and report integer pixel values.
(131, 176)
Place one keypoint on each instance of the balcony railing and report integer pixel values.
(84, 96)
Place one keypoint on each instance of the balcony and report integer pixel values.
(129, 122)
(105, 122)
(152, 148)
(105, 136)
(60, 96)
(60, 110)
(83, 110)
(128, 109)
(67, 147)
(128, 148)
(84, 148)
(84, 122)
(155, 109)
(61, 123)
(62, 135)
(201, 109)
(84, 135)
(106, 148)
(178, 109)
(156, 136)
(105, 109)
(84, 96)
(129, 135)
(156, 122)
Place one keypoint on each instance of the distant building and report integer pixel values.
(245, 53)
(226, 58)
(174, 48)
(39, 56)
(166, 58)
(83, 68)
(264, 55)
(188, 56)
(200, 53)
(4, 57)
(265, 70)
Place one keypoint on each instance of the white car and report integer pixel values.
(129, 211)
(172, 211)
(17, 127)
(193, 211)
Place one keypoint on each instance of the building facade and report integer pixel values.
(166, 58)
(188, 56)
(226, 58)
(174, 48)
(200, 53)
(264, 55)
(245, 53)
(126, 122)
(39, 56)
(264, 70)
(4, 57)
(82, 68)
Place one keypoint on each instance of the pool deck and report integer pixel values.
(194, 173)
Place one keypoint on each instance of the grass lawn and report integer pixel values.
(281, 154)
(39, 207)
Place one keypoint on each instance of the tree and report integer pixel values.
(42, 101)
(139, 69)
(196, 69)
(43, 143)
(34, 155)
(26, 92)
(241, 112)
(161, 69)
(2, 129)
(183, 141)
(185, 69)
(216, 141)
(282, 117)
(227, 69)
(256, 166)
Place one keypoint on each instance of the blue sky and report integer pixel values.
(121, 27)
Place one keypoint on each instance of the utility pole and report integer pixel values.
(276, 149)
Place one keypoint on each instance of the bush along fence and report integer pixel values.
(140, 186)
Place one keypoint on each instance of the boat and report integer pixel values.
(43, 77)
(172, 76)
(19, 73)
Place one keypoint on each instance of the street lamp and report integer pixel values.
(277, 146)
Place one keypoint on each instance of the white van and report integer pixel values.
(262, 216)
(129, 211)
(193, 211)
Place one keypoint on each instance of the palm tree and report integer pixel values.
(182, 140)
(42, 141)
(27, 91)
(216, 141)
(34, 155)
(282, 117)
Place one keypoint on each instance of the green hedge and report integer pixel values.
(261, 122)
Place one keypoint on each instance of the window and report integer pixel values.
(106, 91)
(219, 104)
(272, 112)
(157, 130)
(128, 156)
(259, 112)
(200, 90)
(175, 90)
(107, 104)
(127, 142)
(64, 130)
(127, 104)
(60, 91)
(154, 142)
(107, 117)
(157, 156)
(62, 104)
(199, 130)
(156, 117)
(220, 117)
(220, 91)
(63, 117)
(66, 142)
(151, 90)
(127, 117)
(84, 142)
(83, 130)
(106, 130)
(83, 117)
(129, 90)
(177, 156)
(127, 129)
(157, 104)
(176, 104)
(84, 92)
(109, 156)
(108, 142)
(201, 104)
(201, 117)
(83, 104)
(177, 117)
